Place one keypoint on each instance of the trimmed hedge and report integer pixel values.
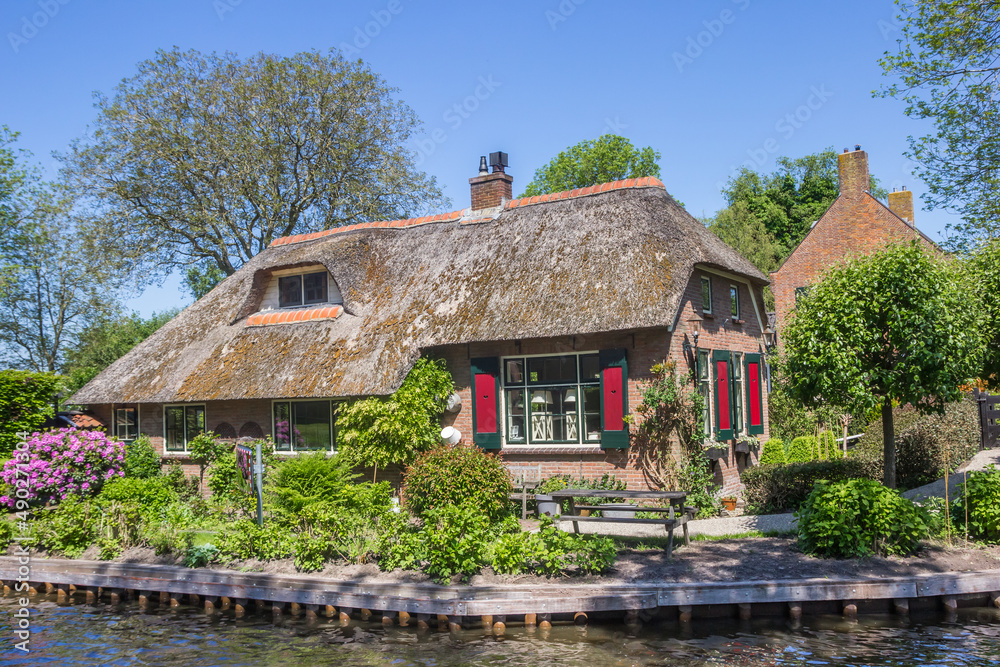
(775, 488)
(801, 449)
(923, 442)
(773, 453)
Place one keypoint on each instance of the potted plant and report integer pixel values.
(729, 503)
(747, 443)
(715, 450)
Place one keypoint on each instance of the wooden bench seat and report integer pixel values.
(574, 518)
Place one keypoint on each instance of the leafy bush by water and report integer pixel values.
(455, 475)
(981, 498)
(305, 479)
(856, 518)
(774, 489)
(141, 459)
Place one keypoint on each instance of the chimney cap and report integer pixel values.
(857, 147)
(482, 166)
(498, 161)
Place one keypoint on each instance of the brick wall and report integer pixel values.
(856, 224)
(644, 348)
(490, 189)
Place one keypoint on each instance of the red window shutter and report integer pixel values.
(614, 399)
(485, 402)
(723, 403)
(755, 425)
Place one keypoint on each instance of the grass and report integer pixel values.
(660, 543)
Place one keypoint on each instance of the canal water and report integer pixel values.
(95, 635)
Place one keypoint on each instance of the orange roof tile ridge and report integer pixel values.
(376, 224)
(599, 188)
(289, 316)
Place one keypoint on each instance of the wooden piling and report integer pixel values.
(745, 611)
(850, 609)
(545, 621)
(366, 614)
(194, 599)
(423, 621)
(175, 600)
(901, 606)
(454, 623)
(312, 614)
(277, 609)
(91, 594)
(116, 597)
(225, 603)
(994, 596)
(240, 607)
(62, 595)
(404, 619)
(530, 620)
(49, 588)
(684, 613)
(164, 598)
(345, 616)
(487, 621)
(388, 619)
(499, 625)
(294, 609)
(330, 610)
(795, 611)
(210, 604)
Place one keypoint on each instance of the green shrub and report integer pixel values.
(223, 477)
(773, 489)
(981, 498)
(453, 475)
(332, 531)
(454, 540)
(858, 517)
(149, 496)
(67, 528)
(698, 480)
(924, 443)
(7, 529)
(200, 556)
(801, 449)
(398, 544)
(205, 449)
(366, 499)
(141, 460)
(605, 482)
(244, 539)
(305, 479)
(773, 453)
(186, 487)
(25, 404)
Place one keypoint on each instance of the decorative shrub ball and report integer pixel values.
(456, 475)
(773, 453)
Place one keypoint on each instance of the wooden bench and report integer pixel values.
(677, 513)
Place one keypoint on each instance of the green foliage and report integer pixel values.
(606, 482)
(454, 540)
(551, 551)
(307, 142)
(302, 480)
(746, 233)
(333, 530)
(200, 556)
(205, 449)
(25, 403)
(141, 459)
(67, 528)
(773, 489)
(698, 481)
(858, 517)
(378, 432)
(7, 529)
(926, 444)
(244, 539)
(607, 158)
(149, 496)
(945, 72)
(827, 447)
(223, 476)
(187, 488)
(455, 475)
(801, 449)
(107, 339)
(983, 269)
(773, 453)
(670, 410)
(899, 324)
(399, 545)
(981, 500)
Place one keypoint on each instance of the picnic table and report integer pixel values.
(676, 512)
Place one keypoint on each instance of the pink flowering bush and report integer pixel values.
(61, 463)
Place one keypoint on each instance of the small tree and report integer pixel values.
(381, 431)
(896, 325)
(206, 448)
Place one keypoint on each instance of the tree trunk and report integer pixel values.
(889, 450)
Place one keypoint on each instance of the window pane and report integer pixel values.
(515, 416)
(290, 291)
(734, 299)
(514, 369)
(312, 425)
(737, 365)
(126, 424)
(703, 365)
(194, 422)
(592, 413)
(590, 368)
(553, 415)
(552, 370)
(174, 428)
(706, 295)
(282, 427)
(314, 285)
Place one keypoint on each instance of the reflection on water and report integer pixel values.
(87, 635)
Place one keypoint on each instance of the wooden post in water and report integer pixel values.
(487, 622)
(345, 616)
(330, 611)
(225, 603)
(902, 606)
(850, 609)
(240, 607)
(499, 625)
(62, 595)
(404, 619)
(210, 601)
(423, 622)
(91, 594)
(684, 613)
(545, 621)
(795, 611)
(530, 620)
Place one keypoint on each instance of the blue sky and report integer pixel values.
(711, 85)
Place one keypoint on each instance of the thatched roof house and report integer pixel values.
(613, 259)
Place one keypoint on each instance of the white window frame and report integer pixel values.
(302, 289)
(705, 389)
(114, 421)
(582, 442)
(738, 380)
(706, 279)
(333, 426)
(187, 440)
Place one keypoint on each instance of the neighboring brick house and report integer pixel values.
(855, 224)
(553, 308)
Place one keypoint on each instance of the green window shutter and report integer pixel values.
(485, 390)
(614, 399)
(723, 396)
(754, 392)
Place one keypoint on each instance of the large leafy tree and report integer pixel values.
(946, 68)
(104, 340)
(205, 159)
(791, 198)
(898, 326)
(607, 158)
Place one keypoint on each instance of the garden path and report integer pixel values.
(977, 462)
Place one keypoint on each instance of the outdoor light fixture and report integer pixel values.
(538, 398)
(694, 326)
(454, 402)
(768, 339)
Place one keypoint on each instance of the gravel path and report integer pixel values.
(978, 462)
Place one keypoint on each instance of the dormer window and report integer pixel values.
(301, 290)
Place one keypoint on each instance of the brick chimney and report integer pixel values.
(490, 190)
(901, 203)
(853, 166)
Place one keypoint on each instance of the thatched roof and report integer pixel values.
(615, 257)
